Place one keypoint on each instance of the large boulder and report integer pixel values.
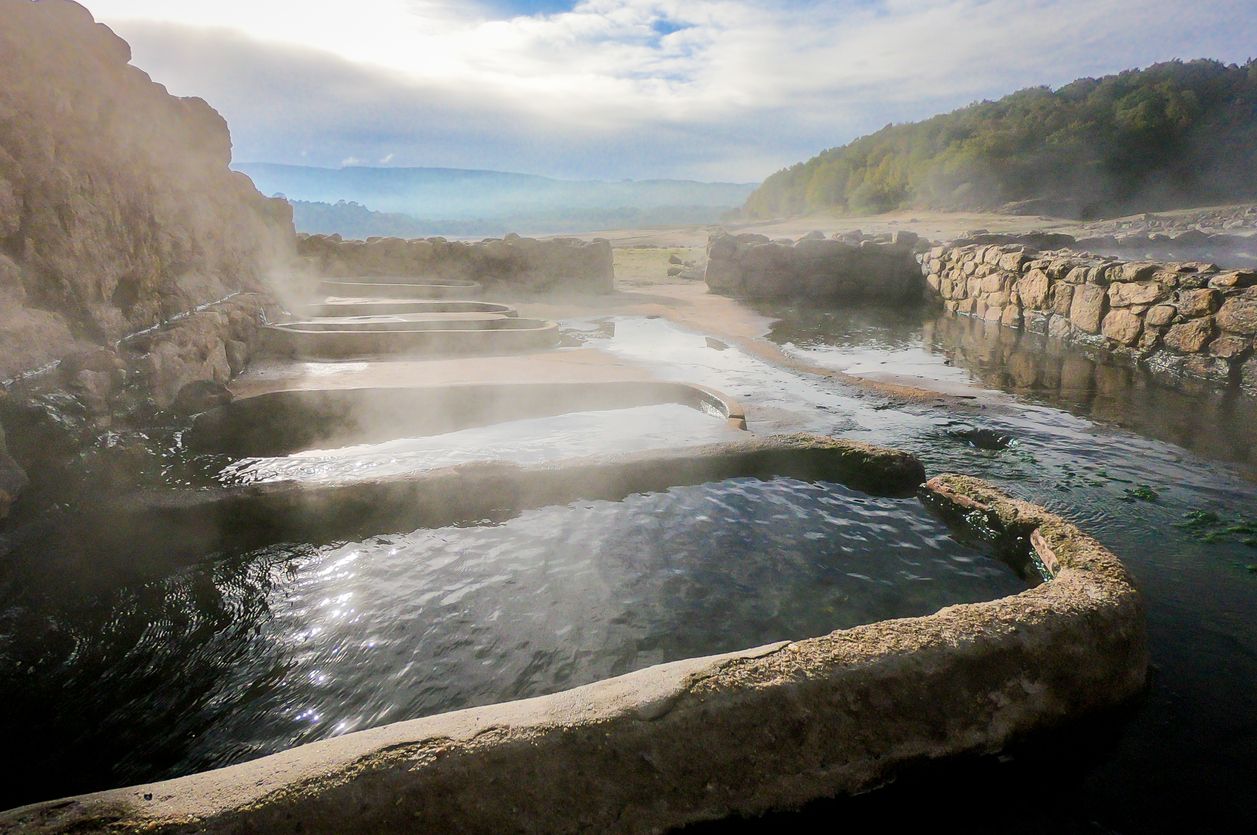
(117, 206)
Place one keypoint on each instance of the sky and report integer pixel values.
(726, 90)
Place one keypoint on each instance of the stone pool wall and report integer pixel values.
(746, 732)
(856, 267)
(1184, 320)
(92, 397)
(554, 265)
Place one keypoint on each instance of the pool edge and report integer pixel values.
(702, 738)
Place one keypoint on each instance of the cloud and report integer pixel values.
(728, 89)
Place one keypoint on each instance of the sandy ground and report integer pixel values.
(933, 225)
(939, 226)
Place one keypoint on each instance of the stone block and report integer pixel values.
(1228, 346)
(1196, 303)
(1122, 326)
(1033, 289)
(1013, 261)
(1162, 314)
(1190, 337)
(1234, 279)
(1060, 298)
(994, 283)
(1238, 314)
(1087, 309)
(1149, 340)
(1128, 293)
(1137, 271)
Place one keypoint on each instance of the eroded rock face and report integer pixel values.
(117, 208)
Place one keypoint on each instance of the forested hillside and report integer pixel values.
(1174, 134)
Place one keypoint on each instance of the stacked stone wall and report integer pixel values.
(855, 267)
(1177, 319)
(555, 265)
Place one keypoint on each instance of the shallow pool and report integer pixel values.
(274, 648)
(527, 441)
(1163, 478)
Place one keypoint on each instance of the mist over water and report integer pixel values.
(256, 652)
(261, 651)
(1173, 514)
(528, 441)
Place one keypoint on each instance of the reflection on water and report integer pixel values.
(944, 348)
(1193, 734)
(133, 683)
(295, 643)
(529, 441)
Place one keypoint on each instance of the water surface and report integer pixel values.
(527, 441)
(265, 650)
(1163, 478)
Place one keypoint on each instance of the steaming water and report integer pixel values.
(529, 441)
(1161, 478)
(130, 685)
(295, 643)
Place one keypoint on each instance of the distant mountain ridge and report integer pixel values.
(450, 200)
(1173, 135)
(353, 220)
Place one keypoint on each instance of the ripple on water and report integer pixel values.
(529, 441)
(296, 643)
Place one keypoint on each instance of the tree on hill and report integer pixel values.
(1174, 134)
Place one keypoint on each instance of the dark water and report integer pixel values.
(266, 650)
(1163, 479)
(129, 684)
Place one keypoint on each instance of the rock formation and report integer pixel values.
(117, 207)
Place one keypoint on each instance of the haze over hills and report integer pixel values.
(1173, 135)
(359, 201)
